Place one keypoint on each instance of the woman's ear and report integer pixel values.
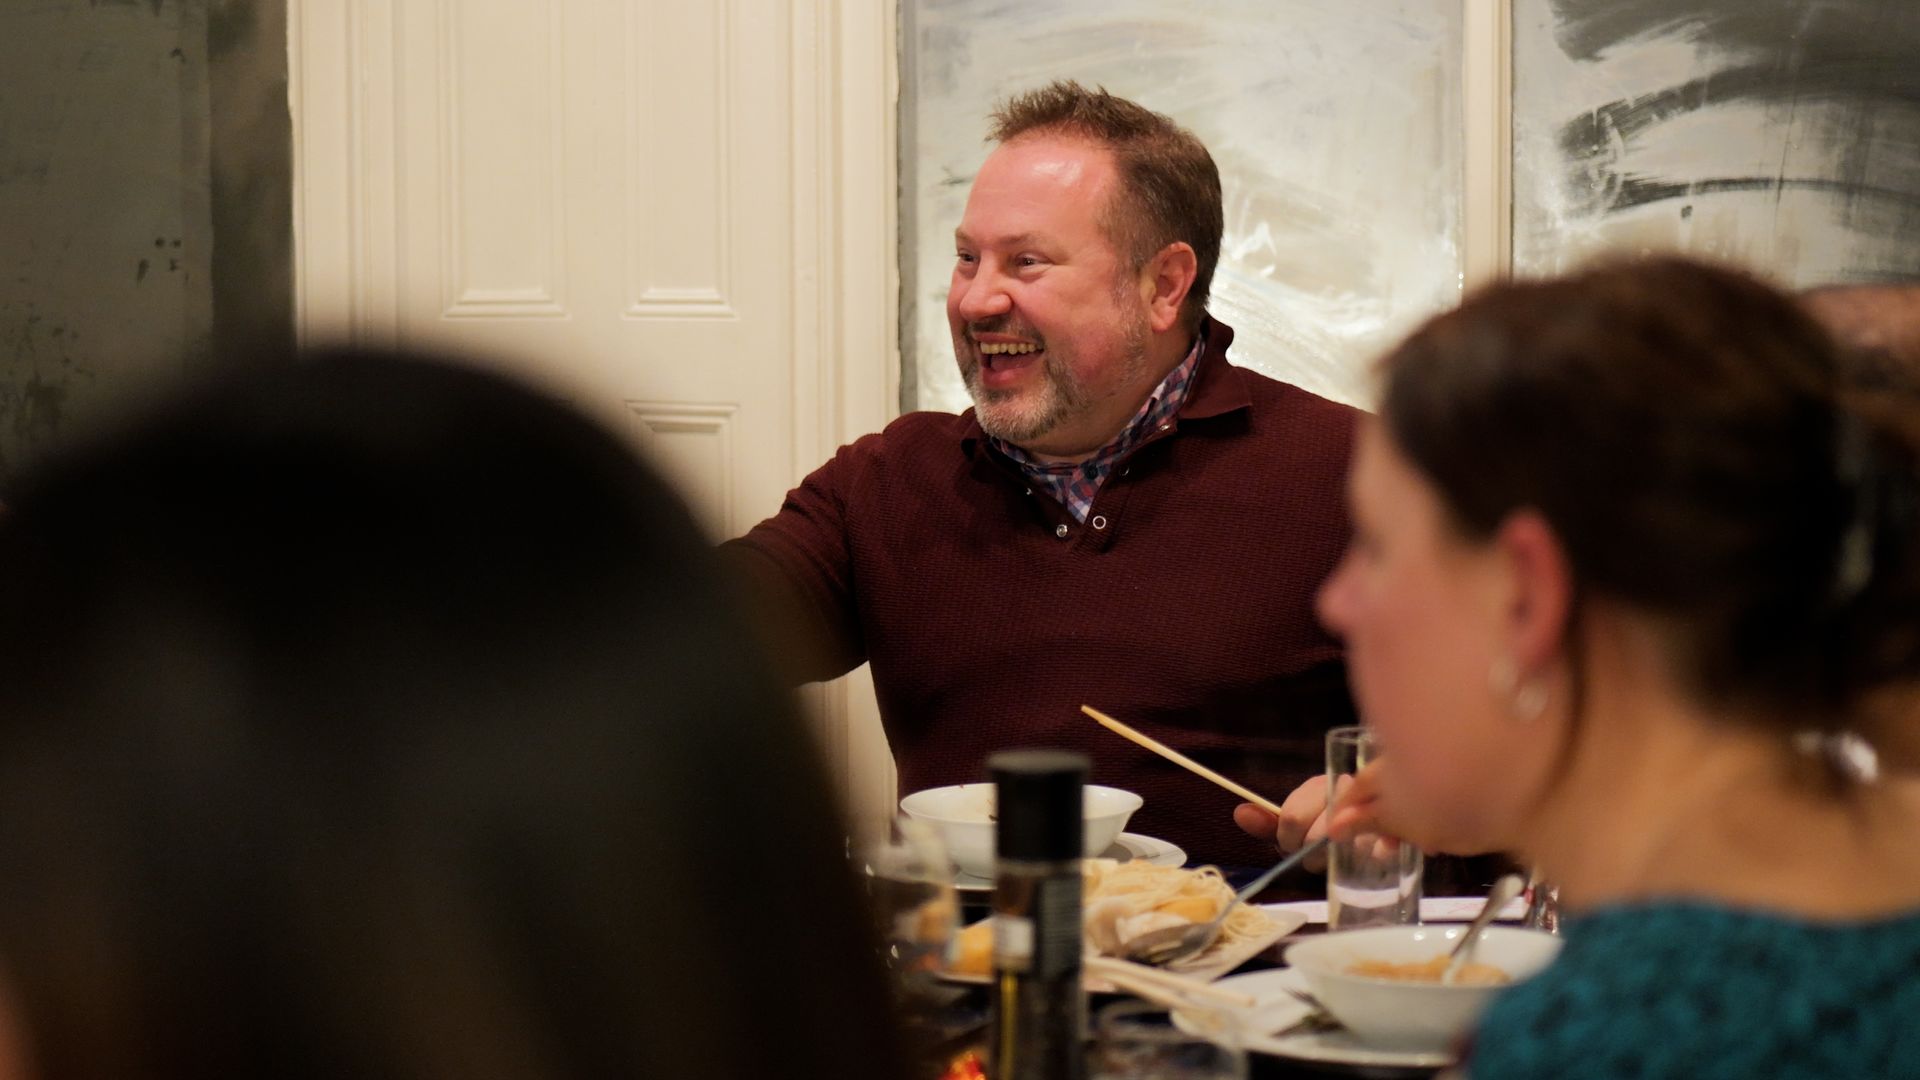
(1539, 600)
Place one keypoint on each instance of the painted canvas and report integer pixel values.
(1779, 134)
(1337, 129)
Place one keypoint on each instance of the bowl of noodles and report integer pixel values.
(964, 814)
(1384, 984)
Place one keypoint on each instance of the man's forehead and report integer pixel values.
(1065, 169)
(1049, 157)
(1031, 187)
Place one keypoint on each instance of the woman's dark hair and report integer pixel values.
(376, 717)
(1697, 444)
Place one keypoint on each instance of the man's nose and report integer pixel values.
(982, 296)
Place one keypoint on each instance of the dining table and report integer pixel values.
(960, 1022)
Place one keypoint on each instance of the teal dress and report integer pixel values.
(1689, 990)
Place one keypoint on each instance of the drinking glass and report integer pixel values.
(1372, 879)
(1543, 904)
(1133, 1041)
(910, 887)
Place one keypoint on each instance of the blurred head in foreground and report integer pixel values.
(375, 717)
(1633, 528)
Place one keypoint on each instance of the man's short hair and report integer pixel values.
(1169, 186)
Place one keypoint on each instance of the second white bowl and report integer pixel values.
(1405, 1014)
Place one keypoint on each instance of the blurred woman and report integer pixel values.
(1621, 541)
(373, 717)
(1880, 324)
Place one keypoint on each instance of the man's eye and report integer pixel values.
(965, 257)
(1027, 260)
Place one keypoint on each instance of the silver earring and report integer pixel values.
(1527, 700)
(1530, 700)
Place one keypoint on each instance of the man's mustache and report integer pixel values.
(1001, 324)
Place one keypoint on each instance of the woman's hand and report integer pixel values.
(1302, 820)
(1305, 817)
(1356, 807)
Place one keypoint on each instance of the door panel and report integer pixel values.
(677, 216)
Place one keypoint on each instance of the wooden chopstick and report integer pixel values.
(1117, 971)
(1170, 1000)
(1180, 759)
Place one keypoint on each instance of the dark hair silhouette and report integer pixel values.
(377, 717)
(1692, 436)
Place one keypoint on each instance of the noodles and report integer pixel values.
(1125, 900)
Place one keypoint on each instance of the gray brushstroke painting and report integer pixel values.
(1780, 134)
(1337, 129)
(134, 134)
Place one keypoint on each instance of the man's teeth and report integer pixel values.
(1008, 350)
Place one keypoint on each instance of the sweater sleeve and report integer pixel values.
(794, 574)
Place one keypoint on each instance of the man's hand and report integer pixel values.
(1357, 810)
(1302, 820)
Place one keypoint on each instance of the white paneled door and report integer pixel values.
(677, 215)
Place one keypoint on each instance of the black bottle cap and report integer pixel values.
(1038, 798)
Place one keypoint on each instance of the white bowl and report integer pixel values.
(1402, 1014)
(963, 814)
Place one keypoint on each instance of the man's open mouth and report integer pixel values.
(997, 355)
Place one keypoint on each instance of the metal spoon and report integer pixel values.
(1503, 891)
(1170, 943)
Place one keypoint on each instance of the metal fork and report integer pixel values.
(1317, 1020)
(1170, 943)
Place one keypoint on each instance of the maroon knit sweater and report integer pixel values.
(1184, 605)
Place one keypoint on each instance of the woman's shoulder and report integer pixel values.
(1690, 989)
(1687, 918)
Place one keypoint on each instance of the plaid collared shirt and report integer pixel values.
(1075, 485)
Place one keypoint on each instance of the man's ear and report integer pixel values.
(1540, 592)
(1165, 282)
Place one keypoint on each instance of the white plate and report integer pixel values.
(1274, 1008)
(1432, 909)
(1130, 846)
(1206, 967)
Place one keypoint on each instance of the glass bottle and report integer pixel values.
(1039, 1008)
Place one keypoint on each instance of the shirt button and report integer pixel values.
(1164, 425)
(1126, 470)
(1099, 521)
(1029, 491)
(1060, 531)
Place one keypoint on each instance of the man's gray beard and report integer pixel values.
(1063, 397)
(1066, 397)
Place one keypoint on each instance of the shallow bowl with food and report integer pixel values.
(1382, 982)
(964, 815)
